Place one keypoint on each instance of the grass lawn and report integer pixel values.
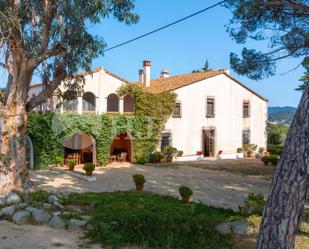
(149, 220)
(244, 167)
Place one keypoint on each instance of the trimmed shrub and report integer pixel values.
(155, 157)
(254, 205)
(139, 179)
(185, 191)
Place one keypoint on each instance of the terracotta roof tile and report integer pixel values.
(162, 85)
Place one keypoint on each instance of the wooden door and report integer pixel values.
(209, 143)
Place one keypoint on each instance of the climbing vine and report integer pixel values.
(49, 131)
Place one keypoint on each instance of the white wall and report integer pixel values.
(228, 121)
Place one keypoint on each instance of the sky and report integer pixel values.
(185, 46)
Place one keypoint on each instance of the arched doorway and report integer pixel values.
(80, 147)
(122, 147)
(128, 104)
(89, 102)
(112, 103)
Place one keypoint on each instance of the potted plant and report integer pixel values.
(265, 160)
(59, 160)
(240, 150)
(169, 152)
(139, 181)
(155, 157)
(199, 153)
(71, 164)
(180, 153)
(249, 149)
(89, 168)
(185, 193)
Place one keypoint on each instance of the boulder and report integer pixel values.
(13, 198)
(241, 228)
(2, 200)
(76, 224)
(21, 217)
(53, 199)
(56, 222)
(8, 212)
(39, 216)
(224, 228)
(47, 205)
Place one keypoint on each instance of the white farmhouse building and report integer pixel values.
(214, 114)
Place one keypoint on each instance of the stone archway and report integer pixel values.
(122, 143)
(81, 147)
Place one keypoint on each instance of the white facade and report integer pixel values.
(187, 132)
(228, 122)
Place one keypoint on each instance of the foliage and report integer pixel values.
(276, 134)
(265, 160)
(283, 23)
(203, 69)
(49, 131)
(38, 196)
(53, 38)
(250, 147)
(138, 179)
(155, 157)
(305, 78)
(149, 220)
(185, 191)
(89, 167)
(275, 149)
(254, 221)
(59, 160)
(254, 205)
(169, 151)
(240, 150)
(179, 153)
(72, 163)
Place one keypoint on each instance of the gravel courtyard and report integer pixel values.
(217, 188)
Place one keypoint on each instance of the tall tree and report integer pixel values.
(305, 78)
(285, 24)
(49, 38)
(203, 69)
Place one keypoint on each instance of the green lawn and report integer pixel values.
(150, 220)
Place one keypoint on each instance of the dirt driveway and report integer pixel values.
(217, 188)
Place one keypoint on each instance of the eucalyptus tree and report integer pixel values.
(49, 39)
(285, 25)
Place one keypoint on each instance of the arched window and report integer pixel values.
(128, 104)
(112, 103)
(89, 102)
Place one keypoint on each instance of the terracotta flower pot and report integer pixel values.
(139, 187)
(71, 168)
(185, 199)
(89, 173)
(169, 159)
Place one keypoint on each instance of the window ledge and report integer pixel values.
(210, 116)
(174, 116)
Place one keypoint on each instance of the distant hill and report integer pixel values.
(282, 115)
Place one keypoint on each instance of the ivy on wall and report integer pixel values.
(49, 131)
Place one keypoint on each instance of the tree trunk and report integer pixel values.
(13, 174)
(13, 168)
(285, 204)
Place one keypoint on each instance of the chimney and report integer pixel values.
(141, 75)
(147, 67)
(165, 73)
